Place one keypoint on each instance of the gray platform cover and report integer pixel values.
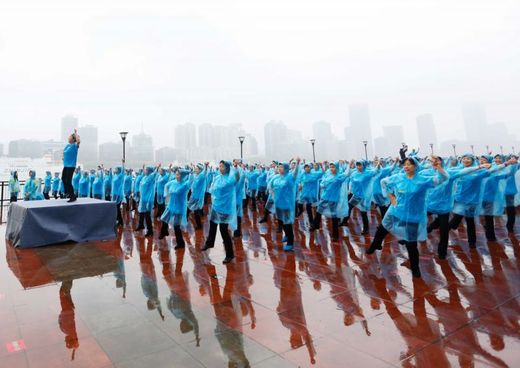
(37, 223)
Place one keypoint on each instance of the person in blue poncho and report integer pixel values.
(493, 196)
(261, 182)
(284, 193)
(146, 200)
(269, 202)
(382, 170)
(162, 179)
(117, 192)
(14, 187)
(198, 189)
(440, 202)
(176, 212)
(333, 201)
(84, 185)
(47, 185)
(127, 188)
(467, 198)
(98, 184)
(136, 195)
(31, 188)
(360, 186)
(56, 185)
(61, 190)
(511, 191)
(70, 157)
(92, 177)
(75, 180)
(251, 185)
(240, 195)
(308, 185)
(108, 184)
(406, 218)
(223, 208)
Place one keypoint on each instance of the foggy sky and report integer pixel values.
(120, 64)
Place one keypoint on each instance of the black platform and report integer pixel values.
(38, 223)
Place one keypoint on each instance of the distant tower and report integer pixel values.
(427, 133)
(360, 130)
(475, 122)
(68, 124)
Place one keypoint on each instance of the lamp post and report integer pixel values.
(313, 152)
(514, 153)
(123, 137)
(501, 150)
(472, 149)
(431, 147)
(487, 149)
(241, 139)
(454, 152)
(366, 154)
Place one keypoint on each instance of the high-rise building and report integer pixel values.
(475, 122)
(426, 132)
(325, 141)
(276, 137)
(141, 150)
(88, 152)
(68, 124)
(25, 148)
(394, 137)
(360, 130)
(206, 136)
(185, 136)
(1, 149)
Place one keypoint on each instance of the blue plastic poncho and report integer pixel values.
(223, 197)
(198, 189)
(175, 213)
(334, 193)
(407, 219)
(117, 191)
(493, 192)
(468, 193)
(252, 176)
(240, 191)
(378, 197)
(98, 185)
(84, 185)
(261, 181)
(147, 190)
(31, 188)
(56, 183)
(309, 182)
(137, 185)
(14, 184)
(269, 203)
(284, 191)
(127, 184)
(162, 179)
(75, 180)
(47, 182)
(361, 184)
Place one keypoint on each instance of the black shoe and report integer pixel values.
(416, 273)
(72, 199)
(206, 247)
(148, 233)
(179, 246)
(262, 220)
(442, 255)
(472, 245)
(373, 248)
(365, 232)
(237, 234)
(162, 235)
(227, 260)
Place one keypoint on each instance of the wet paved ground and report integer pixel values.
(136, 302)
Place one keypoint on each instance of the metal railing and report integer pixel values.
(5, 198)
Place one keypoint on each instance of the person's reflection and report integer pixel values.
(244, 280)
(179, 301)
(67, 319)
(119, 273)
(290, 306)
(414, 326)
(229, 329)
(452, 314)
(148, 276)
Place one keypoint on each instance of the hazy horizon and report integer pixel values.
(161, 63)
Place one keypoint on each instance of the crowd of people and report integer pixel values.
(411, 195)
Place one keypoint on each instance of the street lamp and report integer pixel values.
(366, 154)
(123, 137)
(431, 147)
(454, 152)
(487, 149)
(501, 150)
(241, 139)
(313, 153)
(472, 149)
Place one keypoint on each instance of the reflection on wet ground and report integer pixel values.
(136, 302)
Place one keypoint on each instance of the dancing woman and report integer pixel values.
(31, 188)
(223, 208)
(70, 157)
(406, 218)
(333, 201)
(176, 212)
(198, 188)
(284, 192)
(146, 200)
(308, 185)
(117, 192)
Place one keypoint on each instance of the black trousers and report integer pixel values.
(224, 232)
(145, 217)
(382, 210)
(119, 216)
(489, 227)
(470, 227)
(178, 236)
(66, 177)
(160, 210)
(442, 222)
(511, 217)
(335, 225)
(14, 198)
(238, 231)
(289, 233)
(198, 215)
(310, 215)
